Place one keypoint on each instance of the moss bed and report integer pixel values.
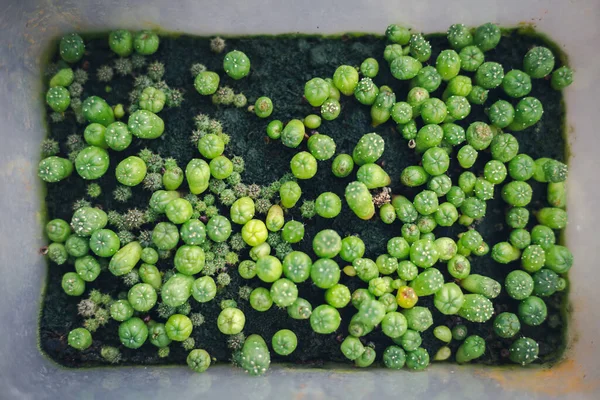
(280, 67)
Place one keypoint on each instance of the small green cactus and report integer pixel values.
(476, 308)
(368, 149)
(473, 347)
(255, 358)
(359, 200)
(524, 351)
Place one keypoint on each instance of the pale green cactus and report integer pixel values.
(359, 200)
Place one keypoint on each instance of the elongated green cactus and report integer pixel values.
(373, 176)
(197, 173)
(255, 358)
(54, 169)
(359, 200)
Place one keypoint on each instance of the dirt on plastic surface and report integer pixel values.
(280, 67)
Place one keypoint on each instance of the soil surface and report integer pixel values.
(280, 67)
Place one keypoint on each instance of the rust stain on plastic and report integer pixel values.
(567, 377)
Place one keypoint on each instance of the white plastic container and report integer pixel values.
(27, 28)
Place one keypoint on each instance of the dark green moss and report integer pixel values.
(280, 67)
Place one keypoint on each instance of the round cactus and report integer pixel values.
(145, 124)
(507, 325)
(473, 347)
(524, 351)
(125, 259)
(449, 299)
(71, 47)
(92, 162)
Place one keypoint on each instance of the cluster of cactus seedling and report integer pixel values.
(208, 225)
(225, 96)
(204, 126)
(67, 85)
(95, 310)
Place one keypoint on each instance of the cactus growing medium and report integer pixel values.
(328, 221)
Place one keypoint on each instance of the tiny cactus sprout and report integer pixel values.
(217, 45)
(110, 354)
(49, 147)
(196, 69)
